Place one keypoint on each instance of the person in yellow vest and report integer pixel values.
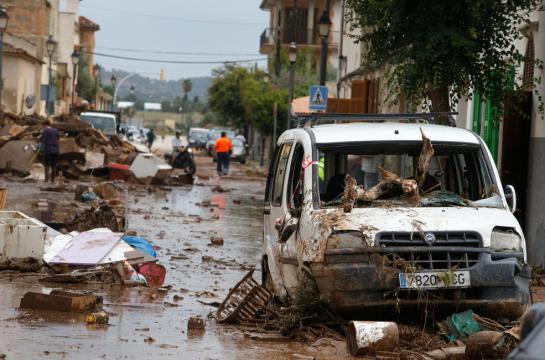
(223, 149)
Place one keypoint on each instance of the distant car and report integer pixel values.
(105, 122)
(214, 135)
(197, 138)
(240, 151)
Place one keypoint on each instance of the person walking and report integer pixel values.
(151, 138)
(223, 148)
(50, 148)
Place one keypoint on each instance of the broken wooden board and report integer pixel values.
(58, 301)
(87, 248)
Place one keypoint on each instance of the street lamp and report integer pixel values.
(96, 74)
(132, 90)
(324, 24)
(113, 81)
(51, 46)
(75, 62)
(3, 25)
(292, 55)
(266, 77)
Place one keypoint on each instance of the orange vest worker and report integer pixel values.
(223, 145)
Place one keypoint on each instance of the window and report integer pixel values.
(272, 166)
(296, 182)
(456, 171)
(280, 174)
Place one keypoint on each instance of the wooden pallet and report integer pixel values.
(243, 301)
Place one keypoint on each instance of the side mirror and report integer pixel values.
(289, 229)
(511, 197)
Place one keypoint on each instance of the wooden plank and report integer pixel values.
(74, 302)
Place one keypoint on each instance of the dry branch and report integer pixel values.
(424, 160)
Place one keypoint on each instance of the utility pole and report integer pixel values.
(277, 65)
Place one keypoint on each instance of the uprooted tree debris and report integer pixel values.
(391, 184)
(309, 319)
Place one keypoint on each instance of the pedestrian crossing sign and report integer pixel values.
(318, 98)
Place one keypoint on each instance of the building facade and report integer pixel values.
(297, 21)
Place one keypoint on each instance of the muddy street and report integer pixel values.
(148, 323)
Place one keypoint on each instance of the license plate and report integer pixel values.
(434, 280)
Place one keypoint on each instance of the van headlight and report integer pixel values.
(505, 240)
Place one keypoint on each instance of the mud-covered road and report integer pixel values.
(151, 324)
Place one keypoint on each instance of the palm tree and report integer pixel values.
(188, 85)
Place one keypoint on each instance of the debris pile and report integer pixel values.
(101, 255)
(83, 150)
(463, 335)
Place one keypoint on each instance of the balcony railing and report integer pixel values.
(308, 37)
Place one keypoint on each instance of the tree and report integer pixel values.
(225, 94)
(188, 86)
(86, 85)
(440, 50)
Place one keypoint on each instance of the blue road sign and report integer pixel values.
(318, 98)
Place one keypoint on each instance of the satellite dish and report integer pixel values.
(30, 101)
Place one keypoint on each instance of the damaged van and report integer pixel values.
(380, 212)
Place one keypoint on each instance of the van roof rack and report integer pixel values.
(425, 118)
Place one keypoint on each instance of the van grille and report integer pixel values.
(450, 250)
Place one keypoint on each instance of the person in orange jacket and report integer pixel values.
(223, 149)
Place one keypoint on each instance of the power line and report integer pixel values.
(173, 52)
(173, 61)
(201, 21)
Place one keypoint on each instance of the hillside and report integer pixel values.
(153, 90)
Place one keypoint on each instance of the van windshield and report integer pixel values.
(104, 123)
(457, 175)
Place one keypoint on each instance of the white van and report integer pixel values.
(105, 122)
(457, 245)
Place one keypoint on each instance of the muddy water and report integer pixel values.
(145, 323)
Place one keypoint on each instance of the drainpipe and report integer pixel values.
(341, 57)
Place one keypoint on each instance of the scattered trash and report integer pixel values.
(243, 301)
(148, 168)
(21, 236)
(370, 337)
(153, 273)
(486, 345)
(195, 323)
(98, 318)
(216, 241)
(59, 301)
(461, 325)
(88, 197)
(141, 244)
(3, 197)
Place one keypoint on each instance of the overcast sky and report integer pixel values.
(192, 26)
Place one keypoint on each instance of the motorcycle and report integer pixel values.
(183, 160)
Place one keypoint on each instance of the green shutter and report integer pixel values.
(477, 112)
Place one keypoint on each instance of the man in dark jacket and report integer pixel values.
(50, 147)
(151, 138)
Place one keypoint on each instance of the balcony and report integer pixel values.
(306, 38)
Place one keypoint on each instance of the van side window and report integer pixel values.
(270, 176)
(295, 188)
(280, 174)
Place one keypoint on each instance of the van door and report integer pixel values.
(274, 211)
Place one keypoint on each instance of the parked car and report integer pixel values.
(197, 138)
(214, 135)
(456, 240)
(240, 150)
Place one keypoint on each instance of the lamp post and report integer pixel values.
(292, 55)
(323, 28)
(75, 62)
(96, 74)
(51, 46)
(3, 25)
(113, 81)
